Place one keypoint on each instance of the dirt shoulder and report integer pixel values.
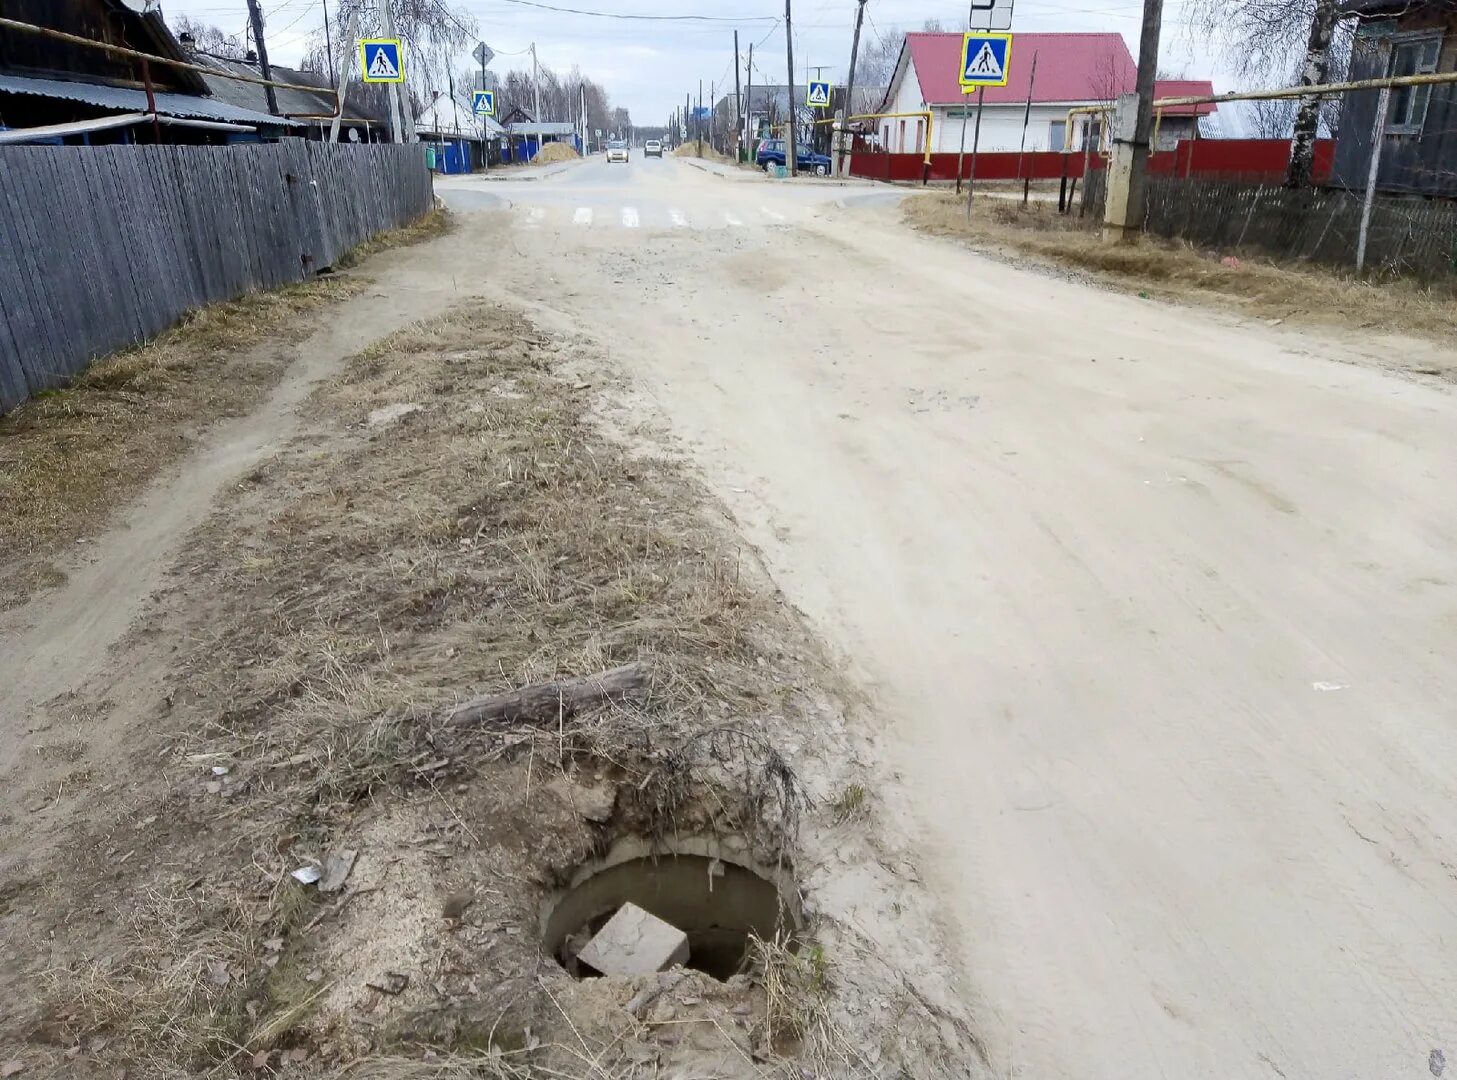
(1251, 285)
(469, 505)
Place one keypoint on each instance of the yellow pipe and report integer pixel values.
(925, 113)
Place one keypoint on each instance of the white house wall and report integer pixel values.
(1001, 125)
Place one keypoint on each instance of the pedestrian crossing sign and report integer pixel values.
(985, 60)
(819, 95)
(483, 103)
(380, 60)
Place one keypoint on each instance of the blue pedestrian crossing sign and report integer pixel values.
(818, 95)
(483, 102)
(381, 60)
(985, 60)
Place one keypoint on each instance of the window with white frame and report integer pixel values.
(1411, 55)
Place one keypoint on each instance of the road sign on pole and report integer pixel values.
(381, 60)
(483, 54)
(483, 103)
(818, 95)
(985, 60)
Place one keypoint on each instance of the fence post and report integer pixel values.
(1378, 137)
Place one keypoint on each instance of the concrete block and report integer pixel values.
(635, 942)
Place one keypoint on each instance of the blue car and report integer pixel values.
(771, 153)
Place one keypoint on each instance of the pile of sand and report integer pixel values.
(690, 149)
(555, 151)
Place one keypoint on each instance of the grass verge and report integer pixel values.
(69, 457)
(1163, 269)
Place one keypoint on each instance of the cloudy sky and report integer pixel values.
(649, 65)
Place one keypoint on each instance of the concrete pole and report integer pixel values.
(346, 70)
(387, 24)
(1378, 137)
(738, 103)
(1123, 215)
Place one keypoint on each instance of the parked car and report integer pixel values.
(771, 152)
(652, 148)
(617, 151)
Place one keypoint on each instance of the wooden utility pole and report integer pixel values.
(1026, 119)
(850, 93)
(328, 41)
(738, 102)
(255, 19)
(791, 147)
(745, 119)
(698, 119)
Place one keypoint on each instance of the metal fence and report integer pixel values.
(1416, 237)
(103, 247)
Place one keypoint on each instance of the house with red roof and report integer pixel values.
(1071, 70)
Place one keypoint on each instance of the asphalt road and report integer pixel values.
(1155, 609)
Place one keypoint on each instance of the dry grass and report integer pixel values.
(70, 457)
(1163, 269)
(555, 151)
(691, 149)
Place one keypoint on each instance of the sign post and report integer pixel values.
(986, 60)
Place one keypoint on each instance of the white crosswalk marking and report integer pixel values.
(678, 218)
(731, 219)
(629, 217)
(772, 215)
(583, 216)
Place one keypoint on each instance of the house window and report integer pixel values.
(900, 147)
(1057, 135)
(1408, 108)
(919, 125)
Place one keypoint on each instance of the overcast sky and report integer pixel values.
(649, 66)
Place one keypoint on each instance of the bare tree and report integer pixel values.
(207, 38)
(1271, 119)
(878, 56)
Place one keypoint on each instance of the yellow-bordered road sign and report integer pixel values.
(817, 96)
(986, 60)
(483, 102)
(382, 60)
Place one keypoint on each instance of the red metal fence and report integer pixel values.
(1253, 159)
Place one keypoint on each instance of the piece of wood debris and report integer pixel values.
(552, 700)
(391, 982)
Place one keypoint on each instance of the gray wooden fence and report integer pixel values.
(1416, 237)
(103, 247)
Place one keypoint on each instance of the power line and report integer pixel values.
(641, 18)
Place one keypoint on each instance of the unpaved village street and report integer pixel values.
(1157, 609)
(1112, 642)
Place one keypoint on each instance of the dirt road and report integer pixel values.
(1156, 608)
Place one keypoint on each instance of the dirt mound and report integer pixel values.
(555, 151)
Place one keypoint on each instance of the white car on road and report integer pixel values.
(617, 151)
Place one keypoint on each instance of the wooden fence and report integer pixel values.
(103, 247)
(1415, 237)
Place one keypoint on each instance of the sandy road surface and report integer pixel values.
(1157, 610)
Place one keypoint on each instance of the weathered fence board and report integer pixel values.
(103, 247)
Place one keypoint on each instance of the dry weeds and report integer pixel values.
(69, 457)
(1161, 269)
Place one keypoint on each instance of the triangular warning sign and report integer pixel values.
(818, 95)
(984, 65)
(382, 67)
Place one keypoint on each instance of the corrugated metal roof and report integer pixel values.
(308, 98)
(125, 100)
(446, 115)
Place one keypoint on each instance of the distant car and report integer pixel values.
(617, 151)
(771, 153)
(652, 148)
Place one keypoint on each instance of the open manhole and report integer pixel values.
(714, 896)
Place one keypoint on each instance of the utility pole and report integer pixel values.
(1026, 119)
(387, 25)
(748, 118)
(328, 41)
(698, 118)
(255, 19)
(713, 114)
(738, 104)
(850, 96)
(1127, 168)
(791, 148)
(687, 112)
(536, 95)
(351, 28)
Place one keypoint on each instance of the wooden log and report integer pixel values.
(547, 701)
